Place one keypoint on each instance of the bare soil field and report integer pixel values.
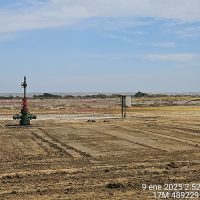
(64, 156)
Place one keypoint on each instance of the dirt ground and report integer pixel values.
(66, 156)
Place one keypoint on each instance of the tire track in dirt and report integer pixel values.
(189, 125)
(152, 132)
(156, 165)
(189, 129)
(52, 145)
(73, 152)
(188, 122)
(124, 137)
(154, 128)
(178, 131)
(45, 146)
(186, 128)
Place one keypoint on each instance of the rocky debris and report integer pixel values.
(171, 165)
(115, 186)
(91, 120)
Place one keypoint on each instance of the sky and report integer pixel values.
(100, 45)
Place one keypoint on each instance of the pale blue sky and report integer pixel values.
(100, 45)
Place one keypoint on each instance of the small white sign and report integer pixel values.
(128, 101)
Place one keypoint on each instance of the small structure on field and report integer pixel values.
(24, 116)
(125, 102)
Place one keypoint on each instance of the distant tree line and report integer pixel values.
(47, 95)
(4, 97)
(9, 97)
(94, 96)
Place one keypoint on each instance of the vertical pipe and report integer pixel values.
(125, 111)
(25, 85)
(122, 106)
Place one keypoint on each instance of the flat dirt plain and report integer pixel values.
(64, 156)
